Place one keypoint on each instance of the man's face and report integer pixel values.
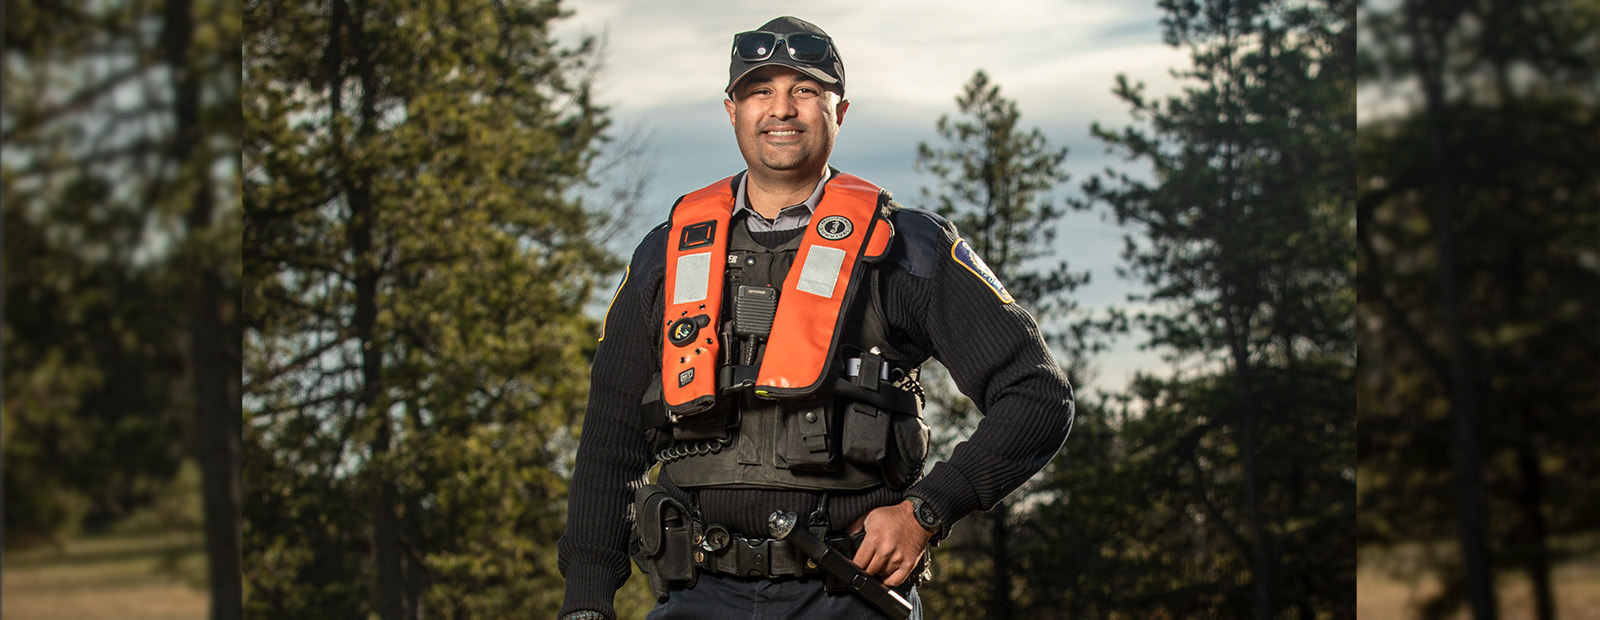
(784, 120)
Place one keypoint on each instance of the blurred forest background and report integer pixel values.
(364, 274)
(1479, 324)
(1223, 486)
(121, 131)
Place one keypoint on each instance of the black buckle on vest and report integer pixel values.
(736, 378)
(871, 366)
(754, 556)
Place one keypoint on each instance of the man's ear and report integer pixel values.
(728, 103)
(839, 110)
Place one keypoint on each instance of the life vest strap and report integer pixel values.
(690, 343)
(805, 332)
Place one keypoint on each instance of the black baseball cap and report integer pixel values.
(828, 70)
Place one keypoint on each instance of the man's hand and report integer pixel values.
(894, 542)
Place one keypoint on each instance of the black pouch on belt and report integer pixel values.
(810, 439)
(866, 434)
(665, 531)
(908, 450)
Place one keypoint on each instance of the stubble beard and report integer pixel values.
(785, 160)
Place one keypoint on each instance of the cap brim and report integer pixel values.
(815, 73)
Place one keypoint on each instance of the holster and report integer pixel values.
(664, 530)
(847, 545)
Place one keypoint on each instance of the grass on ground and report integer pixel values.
(1384, 593)
(117, 576)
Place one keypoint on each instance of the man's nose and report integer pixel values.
(783, 106)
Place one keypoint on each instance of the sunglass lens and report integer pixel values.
(754, 45)
(807, 47)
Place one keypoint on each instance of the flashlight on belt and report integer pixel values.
(781, 525)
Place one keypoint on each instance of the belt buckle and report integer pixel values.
(755, 558)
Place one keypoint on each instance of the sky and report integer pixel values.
(666, 64)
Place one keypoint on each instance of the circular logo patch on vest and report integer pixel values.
(835, 227)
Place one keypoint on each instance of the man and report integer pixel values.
(763, 348)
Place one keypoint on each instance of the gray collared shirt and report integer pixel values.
(789, 218)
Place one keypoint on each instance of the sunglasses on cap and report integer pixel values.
(758, 45)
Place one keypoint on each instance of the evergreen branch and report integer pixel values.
(81, 162)
(82, 99)
(1213, 511)
(274, 374)
(301, 406)
(1365, 207)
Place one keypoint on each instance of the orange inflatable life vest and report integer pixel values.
(845, 228)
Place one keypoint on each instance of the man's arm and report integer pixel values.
(613, 457)
(998, 358)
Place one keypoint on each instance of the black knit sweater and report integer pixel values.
(935, 306)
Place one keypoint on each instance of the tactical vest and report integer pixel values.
(773, 370)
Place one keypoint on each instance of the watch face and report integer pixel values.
(924, 514)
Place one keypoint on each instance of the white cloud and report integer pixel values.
(899, 52)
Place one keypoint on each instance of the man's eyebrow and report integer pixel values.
(751, 81)
(769, 79)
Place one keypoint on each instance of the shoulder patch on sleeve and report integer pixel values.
(962, 253)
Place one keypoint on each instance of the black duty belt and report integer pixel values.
(767, 558)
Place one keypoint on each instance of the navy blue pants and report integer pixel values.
(726, 597)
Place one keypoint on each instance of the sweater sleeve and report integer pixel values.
(613, 457)
(995, 353)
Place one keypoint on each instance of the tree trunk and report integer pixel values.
(1536, 556)
(388, 553)
(1000, 554)
(217, 406)
(1530, 497)
(1237, 310)
(1471, 505)
(1261, 554)
(417, 577)
(386, 542)
(216, 371)
(416, 570)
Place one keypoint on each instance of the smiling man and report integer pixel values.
(786, 122)
(763, 349)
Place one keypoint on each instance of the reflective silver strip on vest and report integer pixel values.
(694, 278)
(821, 272)
(852, 369)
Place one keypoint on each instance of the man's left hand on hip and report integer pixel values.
(894, 543)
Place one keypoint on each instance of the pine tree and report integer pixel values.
(122, 265)
(1478, 305)
(994, 178)
(1245, 240)
(416, 269)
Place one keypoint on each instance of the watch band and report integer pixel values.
(584, 614)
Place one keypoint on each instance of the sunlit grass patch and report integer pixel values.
(1390, 595)
(121, 576)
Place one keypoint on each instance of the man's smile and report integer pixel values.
(782, 131)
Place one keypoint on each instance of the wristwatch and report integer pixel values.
(925, 516)
(584, 614)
